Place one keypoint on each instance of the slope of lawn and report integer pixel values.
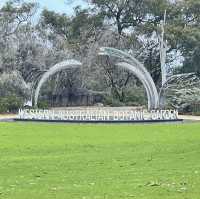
(45, 161)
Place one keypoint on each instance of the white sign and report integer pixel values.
(96, 115)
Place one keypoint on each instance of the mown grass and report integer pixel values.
(45, 161)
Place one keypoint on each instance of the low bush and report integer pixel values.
(111, 101)
(10, 104)
(43, 105)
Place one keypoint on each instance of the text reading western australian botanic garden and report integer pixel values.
(97, 115)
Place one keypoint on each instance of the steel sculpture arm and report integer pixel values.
(132, 64)
(58, 67)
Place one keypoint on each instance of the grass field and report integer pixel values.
(45, 161)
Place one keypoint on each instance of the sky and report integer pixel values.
(56, 5)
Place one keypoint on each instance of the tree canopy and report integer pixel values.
(29, 46)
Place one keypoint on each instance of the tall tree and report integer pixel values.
(12, 16)
(123, 13)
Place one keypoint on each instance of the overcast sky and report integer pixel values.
(56, 5)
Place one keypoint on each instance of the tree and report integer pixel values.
(59, 23)
(183, 33)
(123, 13)
(31, 49)
(12, 17)
(191, 39)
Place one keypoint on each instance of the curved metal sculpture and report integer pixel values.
(152, 104)
(132, 64)
(129, 62)
(56, 68)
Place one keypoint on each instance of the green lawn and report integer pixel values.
(44, 161)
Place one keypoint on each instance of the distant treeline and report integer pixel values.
(29, 46)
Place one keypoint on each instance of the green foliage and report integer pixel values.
(43, 105)
(13, 84)
(125, 14)
(111, 101)
(133, 96)
(59, 23)
(13, 91)
(31, 48)
(72, 28)
(194, 109)
(10, 104)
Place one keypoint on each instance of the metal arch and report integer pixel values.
(56, 68)
(139, 70)
(141, 77)
(129, 63)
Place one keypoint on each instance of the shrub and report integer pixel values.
(111, 101)
(13, 84)
(10, 104)
(135, 96)
(43, 105)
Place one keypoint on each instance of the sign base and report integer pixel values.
(100, 122)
